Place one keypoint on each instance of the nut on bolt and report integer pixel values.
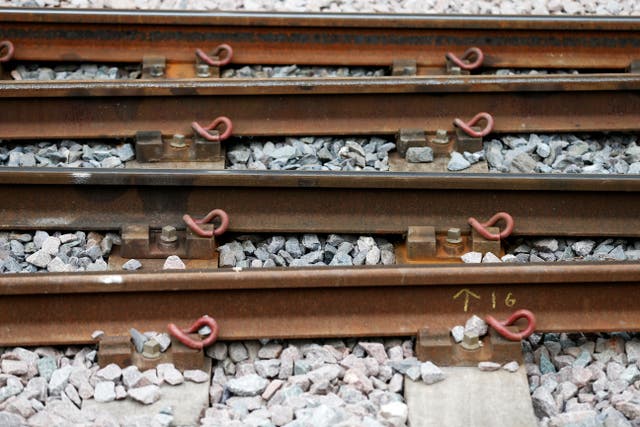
(157, 70)
(169, 235)
(203, 70)
(454, 236)
(151, 349)
(471, 341)
(178, 141)
(441, 137)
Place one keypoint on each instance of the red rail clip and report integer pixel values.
(7, 46)
(500, 327)
(190, 342)
(193, 223)
(203, 131)
(481, 227)
(466, 127)
(216, 62)
(464, 61)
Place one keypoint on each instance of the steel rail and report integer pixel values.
(318, 106)
(317, 302)
(321, 39)
(318, 202)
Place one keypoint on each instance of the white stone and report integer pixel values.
(111, 372)
(59, 380)
(489, 257)
(457, 332)
(173, 262)
(14, 367)
(472, 258)
(430, 373)
(105, 391)
(394, 413)
(196, 375)
(147, 394)
(476, 326)
(169, 374)
(249, 385)
(488, 366)
(512, 366)
(375, 350)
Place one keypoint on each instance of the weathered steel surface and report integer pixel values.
(317, 302)
(89, 110)
(318, 202)
(556, 42)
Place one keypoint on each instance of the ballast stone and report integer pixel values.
(458, 162)
(419, 155)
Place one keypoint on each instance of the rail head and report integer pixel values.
(346, 20)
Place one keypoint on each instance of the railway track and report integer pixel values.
(319, 177)
(163, 115)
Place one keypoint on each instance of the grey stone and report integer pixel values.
(268, 368)
(457, 162)
(217, 351)
(238, 352)
(522, 163)
(46, 366)
(419, 155)
(39, 259)
(325, 373)
(138, 339)
(132, 265)
(544, 404)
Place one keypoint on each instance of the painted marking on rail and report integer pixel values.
(80, 177)
(509, 299)
(467, 293)
(111, 280)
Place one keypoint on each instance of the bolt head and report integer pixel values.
(454, 235)
(151, 349)
(169, 234)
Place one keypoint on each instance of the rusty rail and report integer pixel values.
(318, 202)
(321, 39)
(317, 106)
(317, 302)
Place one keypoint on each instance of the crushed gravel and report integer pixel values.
(55, 252)
(548, 249)
(312, 154)
(305, 250)
(584, 380)
(65, 154)
(260, 71)
(482, 7)
(564, 153)
(75, 72)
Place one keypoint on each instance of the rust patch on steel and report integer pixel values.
(316, 302)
